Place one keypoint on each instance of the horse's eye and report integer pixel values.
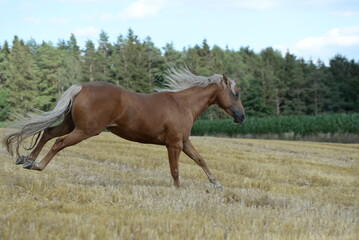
(236, 94)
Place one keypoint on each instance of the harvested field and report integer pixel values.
(109, 188)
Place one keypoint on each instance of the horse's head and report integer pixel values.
(229, 100)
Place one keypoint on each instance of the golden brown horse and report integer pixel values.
(163, 118)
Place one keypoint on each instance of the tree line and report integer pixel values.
(271, 84)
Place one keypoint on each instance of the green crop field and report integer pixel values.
(109, 188)
(297, 126)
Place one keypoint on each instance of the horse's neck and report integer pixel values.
(198, 99)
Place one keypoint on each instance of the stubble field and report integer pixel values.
(109, 188)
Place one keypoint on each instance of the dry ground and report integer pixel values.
(109, 188)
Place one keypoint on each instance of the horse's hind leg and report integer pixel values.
(73, 138)
(65, 127)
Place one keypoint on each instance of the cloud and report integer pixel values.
(340, 37)
(87, 32)
(256, 4)
(141, 9)
(43, 20)
(348, 13)
(285, 5)
(84, 1)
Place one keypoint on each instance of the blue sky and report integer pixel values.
(310, 29)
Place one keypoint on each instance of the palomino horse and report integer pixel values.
(163, 118)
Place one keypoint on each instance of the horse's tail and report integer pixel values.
(35, 123)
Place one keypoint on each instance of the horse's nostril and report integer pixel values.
(238, 117)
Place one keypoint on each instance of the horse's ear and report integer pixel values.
(225, 79)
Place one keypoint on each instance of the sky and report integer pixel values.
(311, 29)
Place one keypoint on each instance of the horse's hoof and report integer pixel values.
(21, 160)
(28, 165)
(218, 186)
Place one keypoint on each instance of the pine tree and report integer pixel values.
(23, 77)
(344, 87)
(34, 74)
(33, 48)
(270, 70)
(339, 68)
(62, 45)
(4, 64)
(89, 62)
(72, 47)
(131, 63)
(49, 62)
(153, 61)
(295, 86)
(118, 69)
(199, 59)
(70, 71)
(192, 59)
(206, 59)
(318, 89)
(4, 105)
(353, 87)
(172, 57)
(253, 96)
(4, 76)
(218, 58)
(103, 59)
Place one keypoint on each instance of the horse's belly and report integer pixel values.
(137, 135)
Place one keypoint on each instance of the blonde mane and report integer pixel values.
(182, 79)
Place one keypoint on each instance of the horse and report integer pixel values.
(164, 117)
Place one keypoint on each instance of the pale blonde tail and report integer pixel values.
(38, 121)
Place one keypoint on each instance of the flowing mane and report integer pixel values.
(181, 79)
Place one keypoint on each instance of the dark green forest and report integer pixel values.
(271, 83)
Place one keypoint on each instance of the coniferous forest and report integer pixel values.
(271, 83)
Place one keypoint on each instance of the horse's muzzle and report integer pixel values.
(238, 117)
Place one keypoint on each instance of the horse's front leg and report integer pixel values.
(174, 151)
(191, 152)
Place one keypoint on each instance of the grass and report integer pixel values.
(109, 188)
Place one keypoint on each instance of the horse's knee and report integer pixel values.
(201, 162)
